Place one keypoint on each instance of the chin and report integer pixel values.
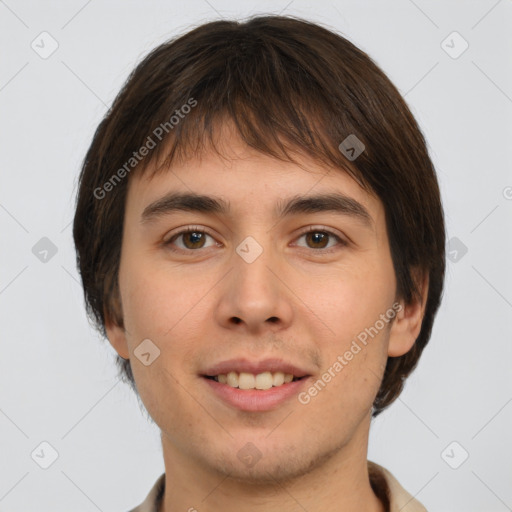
(273, 467)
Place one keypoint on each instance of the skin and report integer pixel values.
(208, 305)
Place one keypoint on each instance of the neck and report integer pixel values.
(339, 481)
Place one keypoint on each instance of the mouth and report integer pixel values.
(255, 386)
(261, 381)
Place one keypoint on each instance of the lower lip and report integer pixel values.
(256, 400)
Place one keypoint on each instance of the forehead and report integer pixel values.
(230, 153)
(247, 181)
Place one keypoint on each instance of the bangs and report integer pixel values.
(277, 100)
(201, 132)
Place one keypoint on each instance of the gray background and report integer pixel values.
(57, 378)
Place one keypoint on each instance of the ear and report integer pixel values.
(116, 332)
(406, 326)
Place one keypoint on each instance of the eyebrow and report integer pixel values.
(192, 202)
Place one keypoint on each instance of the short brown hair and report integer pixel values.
(287, 85)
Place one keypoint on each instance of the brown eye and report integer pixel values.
(193, 239)
(189, 240)
(317, 239)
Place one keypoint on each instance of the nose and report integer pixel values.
(254, 296)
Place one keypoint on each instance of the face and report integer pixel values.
(257, 289)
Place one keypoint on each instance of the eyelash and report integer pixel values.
(197, 229)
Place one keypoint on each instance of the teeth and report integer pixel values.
(246, 381)
(278, 379)
(262, 381)
(232, 379)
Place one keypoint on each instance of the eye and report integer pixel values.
(195, 238)
(192, 238)
(319, 238)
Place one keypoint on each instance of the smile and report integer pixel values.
(262, 381)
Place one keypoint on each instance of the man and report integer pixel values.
(260, 236)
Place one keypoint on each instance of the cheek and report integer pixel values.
(352, 301)
(355, 350)
(345, 390)
(167, 309)
(161, 309)
(157, 302)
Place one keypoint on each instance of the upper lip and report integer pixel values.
(255, 367)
